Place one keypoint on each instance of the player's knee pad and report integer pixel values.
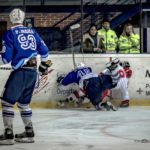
(25, 110)
(7, 109)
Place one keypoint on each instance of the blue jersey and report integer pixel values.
(76, 75)
(21, 43)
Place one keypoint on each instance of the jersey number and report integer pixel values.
(122, 73)
(27, 42)
(83, 72)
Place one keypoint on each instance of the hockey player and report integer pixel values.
(90, 85)
(74, 77)
(21, 45)
(127, 69)
(117, 72)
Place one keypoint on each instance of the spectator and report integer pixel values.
(91, 41)
(108, 36)
(129, 41)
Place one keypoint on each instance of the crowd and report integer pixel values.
(105, 40)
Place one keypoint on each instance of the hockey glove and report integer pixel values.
(59, 79)
(43, 67)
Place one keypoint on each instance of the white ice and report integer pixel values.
(85, 129)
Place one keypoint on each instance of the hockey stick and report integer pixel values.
(72, 28)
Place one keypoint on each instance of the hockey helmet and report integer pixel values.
(111, 65)
(125, 64)
(80, 65)
(116, 60)
(17, 16)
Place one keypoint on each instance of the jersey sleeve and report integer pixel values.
(116, 38)
(123, 43)
(42, 48)
(135, 39)
(7, 47)
(69, 78)
(106, 72)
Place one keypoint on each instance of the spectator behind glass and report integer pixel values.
(129, 41)
(108, 36)
(91, 41)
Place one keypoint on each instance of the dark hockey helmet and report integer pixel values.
(125, 64)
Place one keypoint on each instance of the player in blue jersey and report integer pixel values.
(91, 85)
(21, 45)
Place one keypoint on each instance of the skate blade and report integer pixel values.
(25, 140)
(7, 142)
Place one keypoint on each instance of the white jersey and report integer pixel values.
(116, 74)
(119, 77)
(87, 76)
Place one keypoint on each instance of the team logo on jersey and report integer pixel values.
(27, 42)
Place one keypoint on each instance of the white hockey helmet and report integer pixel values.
(116, 60)
(17, 16)
(80, 65)
(111, 65)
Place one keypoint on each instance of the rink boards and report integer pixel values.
(47, 91)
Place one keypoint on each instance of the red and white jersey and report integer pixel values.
(117, 74)
(128, 72)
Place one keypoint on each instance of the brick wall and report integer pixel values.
(77, 33)
(5, 17)
(50, 19)
(46, 19)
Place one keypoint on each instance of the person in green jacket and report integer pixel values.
(110, 39)
(129, 41)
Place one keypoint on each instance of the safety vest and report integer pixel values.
(110, 39)
(129, 44)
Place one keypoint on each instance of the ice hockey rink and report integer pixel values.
(86, 129)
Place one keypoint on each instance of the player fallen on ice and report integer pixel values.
(21, 45)
(91, 85)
